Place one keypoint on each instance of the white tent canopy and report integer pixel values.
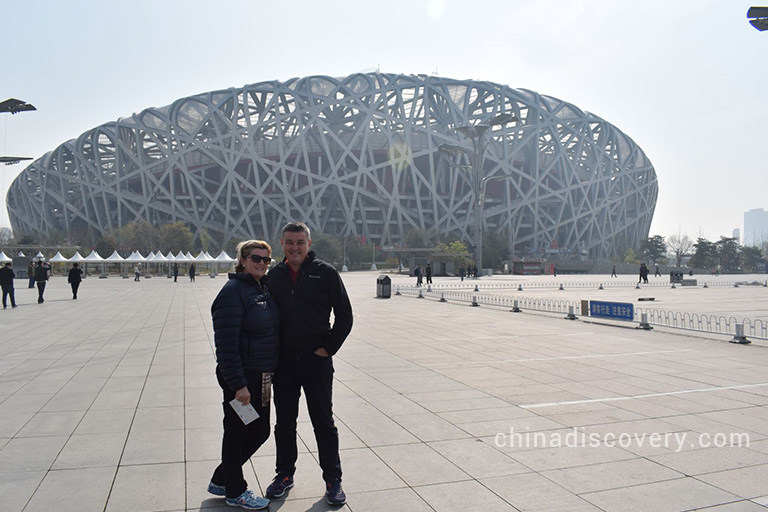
(224, 257)
(94, 257)
(4, 258)
(40, 255)
(203, 257)
(136, 257)
(114, 257)
(77, 258)
(58, 258)
(180, 257)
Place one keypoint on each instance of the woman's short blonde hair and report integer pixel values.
(244, 249)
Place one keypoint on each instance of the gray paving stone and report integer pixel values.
(30, 453)
(90, 451)
(749, 482)
(610, 475)
(17, 488)
(148, 488)
(456, 495)
(667, 496)
(73, 490)
(418, 464)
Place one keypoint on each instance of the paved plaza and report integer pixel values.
(110, 403)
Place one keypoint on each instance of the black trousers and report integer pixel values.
(240, 441)
(6, 293)
(315, 375)
(40, 291)
(75, 286)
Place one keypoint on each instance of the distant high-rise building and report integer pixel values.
(736, 233)
(755, 227)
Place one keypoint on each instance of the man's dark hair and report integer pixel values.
(297, 227)
(75, 265)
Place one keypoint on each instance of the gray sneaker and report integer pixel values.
(248, 501)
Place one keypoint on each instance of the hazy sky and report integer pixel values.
(686, 80)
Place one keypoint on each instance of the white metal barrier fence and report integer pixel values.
(715, 324)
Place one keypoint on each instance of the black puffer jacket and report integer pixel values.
(245, 322)
(305, 308)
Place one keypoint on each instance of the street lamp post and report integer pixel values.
(759, 18)
(478, 135)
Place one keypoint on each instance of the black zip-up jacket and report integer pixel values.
(41, 274)
(7, 276)
(305, 308)
(75, 275)
(245, 321)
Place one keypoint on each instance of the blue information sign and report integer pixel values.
(612, 310)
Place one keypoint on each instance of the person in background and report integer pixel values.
(192, 272)
(74, 278)
(245, 324)
(31, 273)
(136, 272)
(428, 273)
(41, 278)
(175, 271)
(6, 282)
(307, 290)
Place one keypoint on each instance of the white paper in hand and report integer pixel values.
(246, 412)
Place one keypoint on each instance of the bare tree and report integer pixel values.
(680, 245)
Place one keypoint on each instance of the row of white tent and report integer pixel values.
(135, 257)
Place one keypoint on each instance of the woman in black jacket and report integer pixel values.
(245, 322)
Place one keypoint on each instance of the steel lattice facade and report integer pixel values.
(357, 155)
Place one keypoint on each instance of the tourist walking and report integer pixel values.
(175, 271)
(136, 272)
(307, 290)
(75, 278)
(245, 324)
(6, 282)
(643, 274)
(613, 271)
(192, 272)
(41, 277)
(31, 273)
(428, 272)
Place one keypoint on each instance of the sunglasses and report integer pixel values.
(256, 258)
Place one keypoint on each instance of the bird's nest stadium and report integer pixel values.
(359, 155)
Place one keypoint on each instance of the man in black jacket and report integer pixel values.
(6, 280)
(306, 291)
(41, 277)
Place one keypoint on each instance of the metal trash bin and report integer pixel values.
(383, 287)
(675, 277)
